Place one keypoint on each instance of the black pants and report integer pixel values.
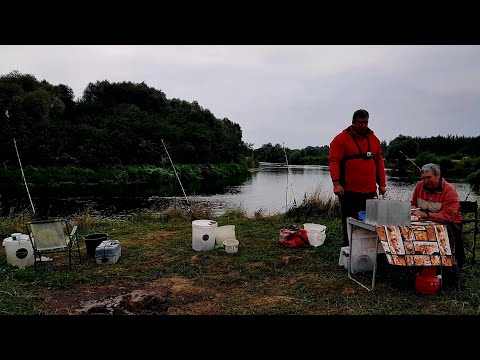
(351, 203)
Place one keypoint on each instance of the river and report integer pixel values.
(271, 189)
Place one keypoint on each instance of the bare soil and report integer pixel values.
(173, 296)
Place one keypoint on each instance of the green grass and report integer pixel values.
(262, 278)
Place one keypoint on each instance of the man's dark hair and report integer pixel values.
(361, 113)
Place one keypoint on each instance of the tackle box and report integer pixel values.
(108, 252)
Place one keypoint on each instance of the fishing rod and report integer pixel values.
(23, 175)
(178, 178)
(286, 190)
(409, 160)
(466, 197)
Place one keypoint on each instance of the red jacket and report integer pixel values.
(441, 203)
(347, 165)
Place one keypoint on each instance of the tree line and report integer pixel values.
(114, 125)
(117, 128)
(458, 156)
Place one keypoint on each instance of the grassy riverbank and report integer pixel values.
(159, 273)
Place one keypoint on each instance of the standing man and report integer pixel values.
(356, 167)
(437, 200)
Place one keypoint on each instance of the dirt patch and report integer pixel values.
(151, 298)
(172, 296)
(291, 260)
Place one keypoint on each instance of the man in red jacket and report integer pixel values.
(356, 167)
(437, 200)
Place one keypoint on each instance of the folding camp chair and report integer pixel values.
(52, 236)
(470, 230)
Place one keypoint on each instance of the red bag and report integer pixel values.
(293, 238)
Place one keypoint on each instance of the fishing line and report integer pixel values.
(286, 190)
(23, 175)
(410, 160)
(176, 174)
(466, 197)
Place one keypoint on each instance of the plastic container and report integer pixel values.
(92, 241)
(224, 232)
(231, 245)
(360, 262)
(362, 215)
(19, 252)
(108, 252)
(316, 233)
(388, 212)
(344, 257)
(363, 249)
(203, 234)
(22, 237)
(364, 240)
(16, 236)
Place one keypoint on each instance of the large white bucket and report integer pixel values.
(203, 234)
(19, 252)
(316, 233)
(224, 232)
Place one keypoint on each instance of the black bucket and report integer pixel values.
(92, 241)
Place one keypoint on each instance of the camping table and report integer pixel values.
(351, 223)
(423, 244)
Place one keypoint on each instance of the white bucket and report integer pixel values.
(231, 245)
(224, 232)
(316, 233)
(203, 234)
(19, 252)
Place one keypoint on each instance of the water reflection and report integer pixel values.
(276, 188)
(272, 189)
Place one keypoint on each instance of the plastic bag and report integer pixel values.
(293, 238)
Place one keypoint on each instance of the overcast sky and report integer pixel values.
(296, 95)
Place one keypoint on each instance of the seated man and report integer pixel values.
(438, 200)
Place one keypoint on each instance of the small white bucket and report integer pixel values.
(231, 245)
(224, 232)
(316, 233)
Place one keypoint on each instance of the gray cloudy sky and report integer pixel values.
(296, 95)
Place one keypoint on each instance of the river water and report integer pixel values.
(272, 189)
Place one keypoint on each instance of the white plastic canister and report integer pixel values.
(19, 252)
(224, 232)
(203, 234)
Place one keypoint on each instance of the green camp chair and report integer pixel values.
(52, 236)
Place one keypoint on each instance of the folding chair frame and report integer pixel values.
(470, 207)
(68, 247)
